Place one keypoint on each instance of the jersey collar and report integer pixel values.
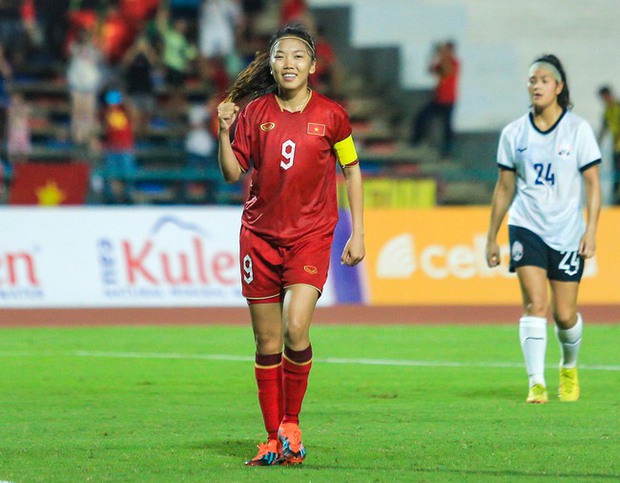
(531, 117)
(303, 108)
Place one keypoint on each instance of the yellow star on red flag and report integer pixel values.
(50, 194)
(316, 129)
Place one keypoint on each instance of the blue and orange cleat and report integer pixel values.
(293, 451)
(269, 454)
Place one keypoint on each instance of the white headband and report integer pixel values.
(548, 66)
(312, 49)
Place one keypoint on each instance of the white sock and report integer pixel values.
(570, 342)
(533, 335)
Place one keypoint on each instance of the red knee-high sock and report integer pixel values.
(296, 367)
(268, 372)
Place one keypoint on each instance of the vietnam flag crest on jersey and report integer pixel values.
(316, 129)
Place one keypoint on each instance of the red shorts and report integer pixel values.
(266, 269)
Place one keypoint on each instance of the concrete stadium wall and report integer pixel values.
(496, 42)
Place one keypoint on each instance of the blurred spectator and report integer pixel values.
(30, 24)
(118, 145)
(138, 11)
(200, 146)
(10, 22)
(82, 16)
(15, 17)
(52, 18)
(19, 144)
(296, 11)
(117, 33)
(178, 51)
(84, 76)
(446, 68)
(6, 74)
(200, 143)
(139, 62)
(611, 126)
(216, 74)
(327, 78)
(252, 9)
(250, 34)
(218, 25)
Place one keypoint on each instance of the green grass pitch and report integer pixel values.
(385, 403)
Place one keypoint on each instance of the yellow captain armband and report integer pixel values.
(345, 152)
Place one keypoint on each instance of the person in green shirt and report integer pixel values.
(178, 51)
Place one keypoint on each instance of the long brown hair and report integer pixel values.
(256, 79)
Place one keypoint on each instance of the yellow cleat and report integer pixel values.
(569, 385)
(537, 394)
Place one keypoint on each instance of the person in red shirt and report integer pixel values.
(119, 143)
(295, 11)
(290, 137)
(138, 11)
(446, 68)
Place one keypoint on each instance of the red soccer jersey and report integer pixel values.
(293, 185)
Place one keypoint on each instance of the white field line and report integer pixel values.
(327, 360)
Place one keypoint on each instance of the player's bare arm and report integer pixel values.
(502, 197)
(587, 245)
(229, 166)
(354, 250)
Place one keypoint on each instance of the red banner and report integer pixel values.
(50, 184)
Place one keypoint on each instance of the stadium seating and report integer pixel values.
(380, 109)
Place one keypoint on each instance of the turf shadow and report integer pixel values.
(240, 448)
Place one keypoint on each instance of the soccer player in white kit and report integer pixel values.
(546, 159)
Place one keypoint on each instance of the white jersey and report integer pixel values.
(548, 166)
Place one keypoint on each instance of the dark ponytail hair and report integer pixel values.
(256, 79)
(564, 96)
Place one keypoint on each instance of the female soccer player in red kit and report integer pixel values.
(291, 137)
